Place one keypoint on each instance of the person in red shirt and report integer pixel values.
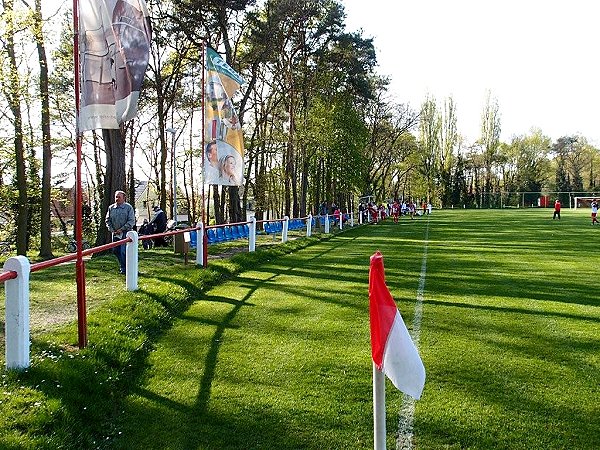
(556, 210)
(395, 210)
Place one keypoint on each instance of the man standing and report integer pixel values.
(556, 210)
(120, 219)
(594, 211)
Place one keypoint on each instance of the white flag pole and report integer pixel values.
(378, 409)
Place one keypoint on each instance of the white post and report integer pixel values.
(352, 219)
(341, 221)
(252, 235)
(309, 225)
(284, 232)
(378, 409)
(326, 223)
(17, 313)
(131, 262)
(200, 244)
(360, 217)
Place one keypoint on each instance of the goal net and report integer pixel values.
(584, 202)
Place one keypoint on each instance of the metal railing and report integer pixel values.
(17, 269)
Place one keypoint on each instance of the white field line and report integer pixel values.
(405, 423)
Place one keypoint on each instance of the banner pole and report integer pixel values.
(79, 264)
(378, 409)
(204, 218)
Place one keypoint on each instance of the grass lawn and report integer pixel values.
(276, 354)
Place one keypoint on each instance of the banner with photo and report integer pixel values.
(224, 152)
(113, 56)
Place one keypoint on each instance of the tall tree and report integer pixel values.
(12, 91)
(429, 142)
(490, 141)
(448, 143)
(46, 226)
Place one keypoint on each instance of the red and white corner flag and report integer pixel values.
(394, 352)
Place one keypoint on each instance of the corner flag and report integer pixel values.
(392, 349)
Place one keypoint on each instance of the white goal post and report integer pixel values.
(584, 202)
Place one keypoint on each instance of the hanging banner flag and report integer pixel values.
(224, 153)
(114, 52)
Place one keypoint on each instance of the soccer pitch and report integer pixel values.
(279, 357)
(510, 332)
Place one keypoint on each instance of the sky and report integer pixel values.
(538, 59)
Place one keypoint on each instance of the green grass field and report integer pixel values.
(276, 354)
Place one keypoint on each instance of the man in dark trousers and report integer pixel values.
(556, 210)
(159, 224)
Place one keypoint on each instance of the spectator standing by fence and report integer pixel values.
(146, 229)
(120, 219)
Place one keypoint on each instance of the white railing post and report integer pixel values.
(252, 235)
(131, 262)
(284, 232)
(17, 313)
(326, 223)
(360, 217)
(352, 219)
(200, 244)
(341, 221)
(309, 225)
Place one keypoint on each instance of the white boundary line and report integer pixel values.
(405, 422)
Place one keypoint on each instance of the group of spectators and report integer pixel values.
(372, 211)
(332, 210)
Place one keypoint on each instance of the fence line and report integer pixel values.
(17, 269)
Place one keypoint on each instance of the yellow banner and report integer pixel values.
(224, 153)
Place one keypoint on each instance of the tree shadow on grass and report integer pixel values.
(206, 428)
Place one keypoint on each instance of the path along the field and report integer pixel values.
(279, 357)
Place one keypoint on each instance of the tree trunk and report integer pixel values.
(260, 200)
(131, 174)
(14, 100)
(114, 179)
(218, 212)
(235, 211)
(45, 222)
(304, 189)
